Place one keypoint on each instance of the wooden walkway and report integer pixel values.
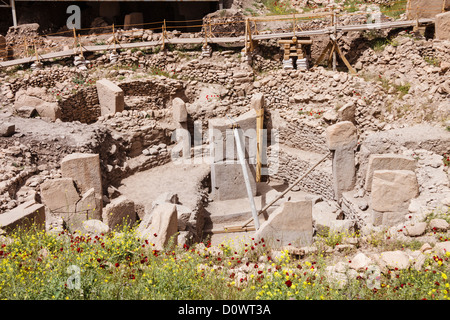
(238, 40)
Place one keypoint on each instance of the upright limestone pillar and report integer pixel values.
(342, 140)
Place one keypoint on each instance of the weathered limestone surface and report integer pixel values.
(387, 162)
(392, 190)
(179, 112)
(425, 8)
(27, 215)
(163, 227)
(442, 25)
(84, 169)
(119, 212)
(291, 224)
(227, 180)
(342, 138)
(110, 96)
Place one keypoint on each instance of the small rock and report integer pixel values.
(439, 225)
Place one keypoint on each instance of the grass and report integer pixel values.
(278, 7)
(395, 10)
(119, 266)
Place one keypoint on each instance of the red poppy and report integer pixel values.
(288, 283)
(117, 264)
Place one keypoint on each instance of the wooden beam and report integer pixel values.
(291, 16)
(324, 52)
(350, 68)
(292, 42)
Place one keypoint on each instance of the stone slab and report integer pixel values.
(25, 216)
(110, 97)
(442, 26)
(392, 190)
(290, 224)
(387, 162)
(227, 180)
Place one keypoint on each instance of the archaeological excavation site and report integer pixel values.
(280, 131)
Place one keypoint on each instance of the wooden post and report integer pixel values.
(74, 41)
(163, 34)
(35, 52)
(81, 47)
(26, 47)
(114, 37)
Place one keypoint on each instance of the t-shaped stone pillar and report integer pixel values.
(341, 140)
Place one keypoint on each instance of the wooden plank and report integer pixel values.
(298, 41)
(322, 55)
(259, 137)
(291, 16)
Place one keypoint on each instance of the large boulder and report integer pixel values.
(290, 224)
(37, 99)
(84, 169)
(392, 190)
(442, 26)
(163, 227)
(119, 212)
(60, 196)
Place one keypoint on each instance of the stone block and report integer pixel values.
(392, 190)
(387, 162)
(60, 196)
(425, 8)
(110, 97)
(341, 134)
(7, 129)
(95, 226)
(119, 212)
(257, 101)
(222, 141)
(25, 216)
(347, 113)
(84, 169)
(163, 227)
(133, 20)
(44, 108)
(442, 26)
(227, 180)
(291, 224)
(393, 218)
(344, 171)
(89, 205)
(179, 111)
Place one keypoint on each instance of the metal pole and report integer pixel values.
(13, 9)
(246, 178)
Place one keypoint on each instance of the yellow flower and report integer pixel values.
(444, 276)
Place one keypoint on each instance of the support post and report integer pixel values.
(13, 10)
(240, 152)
